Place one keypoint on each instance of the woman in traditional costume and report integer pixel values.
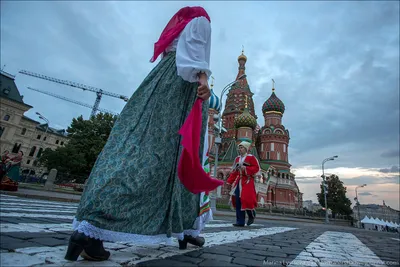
(133, 193)
(4, 158)
(13, 166)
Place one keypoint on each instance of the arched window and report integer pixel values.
(23, 132)
(39, 152)
(33, 149)
(16, 148)
(6, 117)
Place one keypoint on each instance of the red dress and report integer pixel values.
(248, 195)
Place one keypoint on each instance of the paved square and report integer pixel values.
(36, 233)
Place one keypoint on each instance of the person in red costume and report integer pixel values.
(243, 191)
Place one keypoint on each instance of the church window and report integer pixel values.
(23, 132)
(2, 129)
(267, 154)
(39, 136)
(6, 117)
(272, 146)
(278, 156)
(284, 148)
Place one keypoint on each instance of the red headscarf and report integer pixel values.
(175, 26)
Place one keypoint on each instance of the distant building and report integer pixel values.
(382, 212)
(20, 133)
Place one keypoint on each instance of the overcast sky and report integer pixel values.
(335, 64)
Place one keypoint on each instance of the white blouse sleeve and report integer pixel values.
(193, 49)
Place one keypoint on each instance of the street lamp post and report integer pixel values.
(218, 134)
(325, 187)
(358, 204)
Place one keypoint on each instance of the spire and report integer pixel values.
(242, 62)
(273, 85)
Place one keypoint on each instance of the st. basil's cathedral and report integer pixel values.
(275, 185)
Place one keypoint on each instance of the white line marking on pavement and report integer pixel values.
(33, 215)
(7, 196)
(228, 225)
(26, 200)
(336, 249)
(6, 205)
(48, 228)
(35, 227)
(37, 210)
(131, 255)
(396, 239)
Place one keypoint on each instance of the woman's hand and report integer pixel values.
(203, 91)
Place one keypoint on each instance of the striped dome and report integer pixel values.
(215, 102)
(273, 103)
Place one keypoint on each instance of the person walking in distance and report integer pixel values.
(243, 191)
(133, 193)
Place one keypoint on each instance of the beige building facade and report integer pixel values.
(20, 133)
(376, 211)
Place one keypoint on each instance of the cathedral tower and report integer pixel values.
(274, 138)
(235, 103)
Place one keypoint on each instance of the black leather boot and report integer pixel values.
(196, 241)
(89, 248)
(252, 215)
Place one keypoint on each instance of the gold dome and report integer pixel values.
(242, 56)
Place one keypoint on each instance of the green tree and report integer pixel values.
(336, 196)
(86, 140)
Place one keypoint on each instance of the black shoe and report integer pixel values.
(89, 248)
(238, 225)
(252, 216)
(197, 241)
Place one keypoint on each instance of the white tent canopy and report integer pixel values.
(367, 220)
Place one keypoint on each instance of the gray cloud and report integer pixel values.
(393, 169)
(365, 194)
(392, 153)
(391, 179)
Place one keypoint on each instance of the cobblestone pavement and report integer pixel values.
(36, 232)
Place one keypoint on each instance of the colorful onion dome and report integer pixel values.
(273, 103)
(215, 102)
(245, 119)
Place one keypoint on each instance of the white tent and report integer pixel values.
(380, 222)
(367, 220)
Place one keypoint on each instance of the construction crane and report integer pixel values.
(99, 92)
(70, 100)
